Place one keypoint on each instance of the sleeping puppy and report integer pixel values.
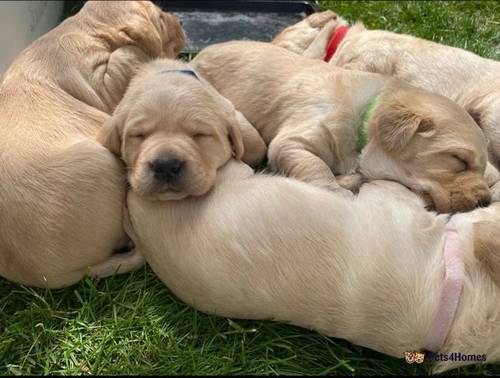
(61, 192)
(469, 80)
(314, 118)
(373, 275)
(174, 130)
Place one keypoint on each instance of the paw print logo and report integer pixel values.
(419, 357)
(412, 357)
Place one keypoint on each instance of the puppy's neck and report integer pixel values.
(361, 131)
(366, 93)
(476, 327)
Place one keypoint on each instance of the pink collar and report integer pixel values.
(450, 294)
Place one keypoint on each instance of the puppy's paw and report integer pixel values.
(344, 193)
(337, 189)
(319, 19)
(310, 35)
(351, 182)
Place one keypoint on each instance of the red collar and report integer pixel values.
(334, 43)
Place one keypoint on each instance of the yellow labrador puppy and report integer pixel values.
(315, 118)
(379, 270)
(174, 130)
(471, 81)
(61, 192)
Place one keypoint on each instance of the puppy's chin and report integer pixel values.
(167, 196)
(154, 194)
(149, 189)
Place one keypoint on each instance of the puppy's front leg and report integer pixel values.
(299, 36)
(294, 160)
(317, 48)
(351, 182)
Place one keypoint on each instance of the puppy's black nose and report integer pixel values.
(167, 169)
(484, 202)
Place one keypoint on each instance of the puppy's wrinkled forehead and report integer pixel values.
(176, 101)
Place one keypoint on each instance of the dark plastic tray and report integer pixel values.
(212, 21)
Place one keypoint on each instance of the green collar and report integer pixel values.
(362, 135)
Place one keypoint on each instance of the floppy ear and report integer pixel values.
(487, 248)
(110, 135)
(141, 33)
(394, 127)
(254, 146)
(235, 135)
(236, 139)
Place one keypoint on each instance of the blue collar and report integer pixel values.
(185, 72)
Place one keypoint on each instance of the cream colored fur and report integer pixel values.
(168, 114)
(369, 270)
(61, 193)
(471, 81)
(308, 111)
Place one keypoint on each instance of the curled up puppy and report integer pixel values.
(174, 130)
(323, 124)
(61, 192)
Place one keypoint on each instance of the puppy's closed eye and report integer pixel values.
(463, 164)
(201, 135)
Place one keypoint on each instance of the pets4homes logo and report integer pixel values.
(419, 357)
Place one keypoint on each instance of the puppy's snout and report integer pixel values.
(167, 169)
(484, 201)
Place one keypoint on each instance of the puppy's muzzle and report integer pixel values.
(167, 170)
(484, 201)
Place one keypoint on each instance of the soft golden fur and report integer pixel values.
(469, 80)
(308, 111)
(369, 269)
(174, 130)
(61, 192)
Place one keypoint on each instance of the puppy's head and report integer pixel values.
(429, 144)
(174, 131)
(139, 23)
(104, 45)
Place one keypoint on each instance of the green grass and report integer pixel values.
(132, 324)
(471, 25)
